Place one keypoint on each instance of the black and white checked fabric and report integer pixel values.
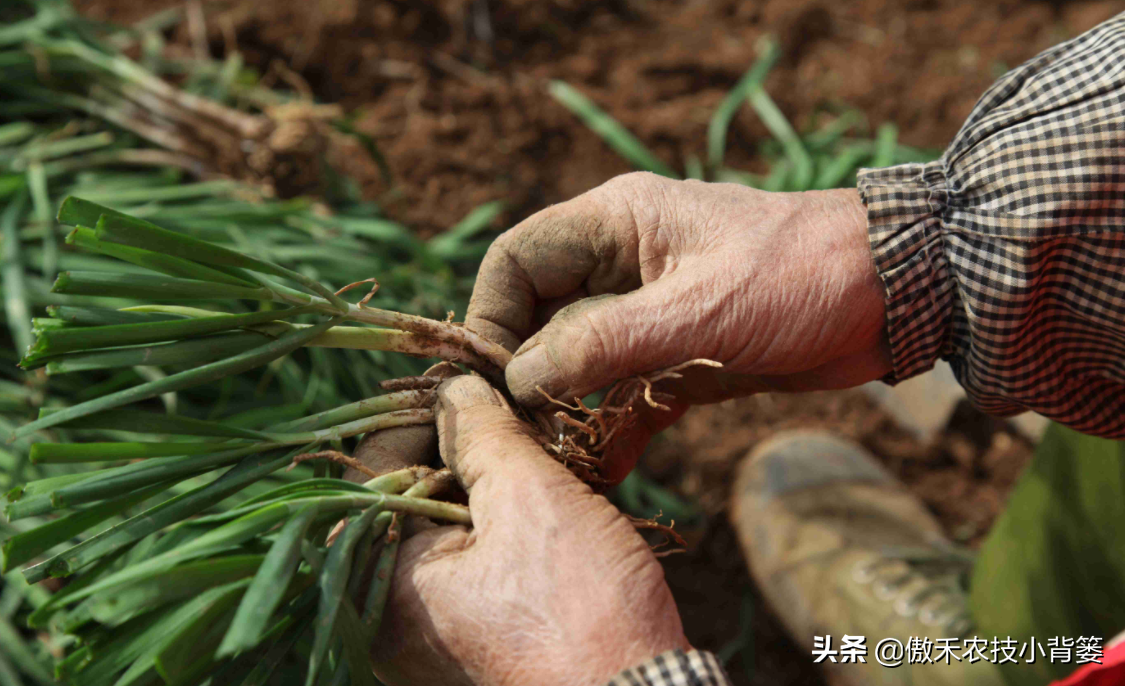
(675, 668)
(1006, 257)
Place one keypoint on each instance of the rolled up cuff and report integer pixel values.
(905, 205)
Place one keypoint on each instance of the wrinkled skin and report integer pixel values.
(779, 287)
(553, 585)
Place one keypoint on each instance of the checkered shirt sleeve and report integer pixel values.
(1006, 257)
(675, 668)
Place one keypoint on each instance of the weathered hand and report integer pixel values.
(551, 586)
(779, 287)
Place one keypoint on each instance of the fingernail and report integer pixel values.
(446, 370)
(531, 369)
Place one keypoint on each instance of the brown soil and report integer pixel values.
(453, 92)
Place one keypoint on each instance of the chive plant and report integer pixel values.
(827, 158)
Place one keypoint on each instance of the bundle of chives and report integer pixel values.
(247, 578)
(69, 125)
(79, 117)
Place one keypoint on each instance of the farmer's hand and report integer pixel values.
(551, 586)
(779, 287)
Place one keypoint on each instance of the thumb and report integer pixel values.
(624, 451)
(487, 447)
(596, 341)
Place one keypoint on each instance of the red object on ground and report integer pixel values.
(1110, 673)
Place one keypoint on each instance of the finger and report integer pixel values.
(597, 341)
(487, 447)
(699, 385)
(589, 242)
(547, 309)
(628, 444)
(390, 450)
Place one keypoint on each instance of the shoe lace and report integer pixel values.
(929, 582)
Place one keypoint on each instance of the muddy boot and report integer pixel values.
(840, 548)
